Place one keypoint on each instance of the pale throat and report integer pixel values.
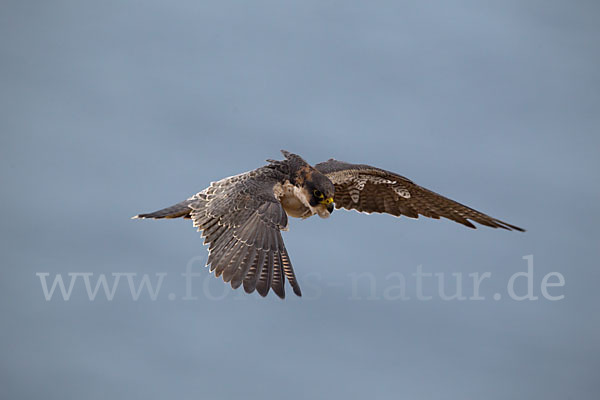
(296, 201)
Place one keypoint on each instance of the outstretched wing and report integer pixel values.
(241, 221)
(369, 189)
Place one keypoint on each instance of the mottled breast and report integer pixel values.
(293, 200)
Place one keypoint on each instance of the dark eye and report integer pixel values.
(317, 193)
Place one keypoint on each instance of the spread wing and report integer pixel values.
(241, 221)
(369, 189)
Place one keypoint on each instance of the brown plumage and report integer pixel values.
(241, 217)
(380, 191)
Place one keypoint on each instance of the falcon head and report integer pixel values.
(316, 190)
(319, 191)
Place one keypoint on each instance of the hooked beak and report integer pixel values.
(329, 204)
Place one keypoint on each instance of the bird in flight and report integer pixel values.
(241, 217)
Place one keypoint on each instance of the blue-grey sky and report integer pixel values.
(111, 108)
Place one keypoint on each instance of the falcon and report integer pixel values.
(241, 217)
